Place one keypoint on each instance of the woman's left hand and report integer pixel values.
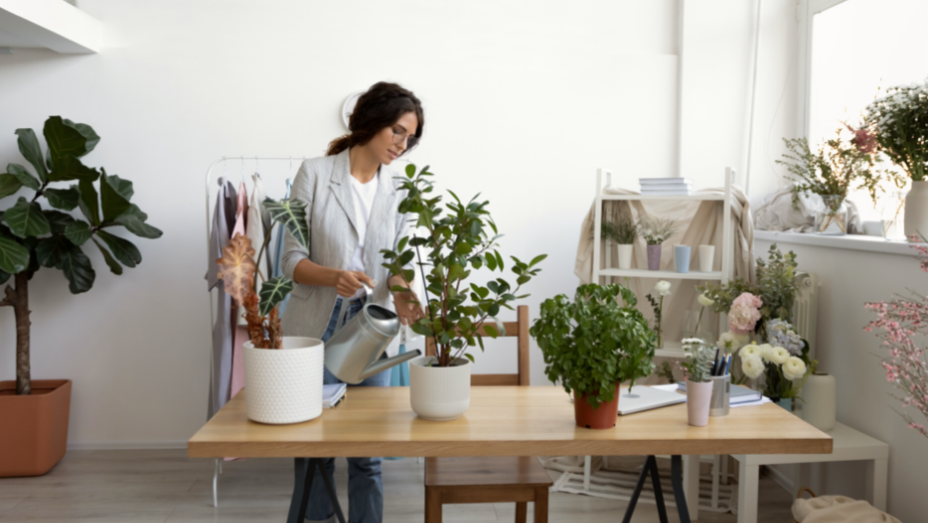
(407, 307)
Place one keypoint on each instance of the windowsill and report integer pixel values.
(855, 242)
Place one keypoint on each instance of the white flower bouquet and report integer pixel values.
(785, 373)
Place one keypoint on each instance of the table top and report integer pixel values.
(501, 421)
(848, 445)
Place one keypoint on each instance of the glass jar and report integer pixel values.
(832, 220)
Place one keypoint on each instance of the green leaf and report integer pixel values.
(26, 219)
(469, 356)
(124, 250)
(499, 260)
(77, 269)
(291, 213)
(4, 276)
(402, 244)
(23, 176)
(273, 292)
(50, 251)
(71, 168)
(14, 258)
(134, 220)
(491, 330)
(31, 151)
(78, 231)
(9, 184)
(410, 171)
(491, 262)
(66, 138)
(537, 259)
(58, 220)
(114, 196)
(114, 265)
(89, 203)
(64, 199)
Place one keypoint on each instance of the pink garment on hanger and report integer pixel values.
(240, 334)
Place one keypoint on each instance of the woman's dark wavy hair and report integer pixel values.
(381, 106)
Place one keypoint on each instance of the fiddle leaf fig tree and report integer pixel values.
(33, 236)
(457, 243)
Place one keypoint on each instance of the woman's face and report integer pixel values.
(391, 142)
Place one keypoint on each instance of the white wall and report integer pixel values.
(848, 280)
(523, 102)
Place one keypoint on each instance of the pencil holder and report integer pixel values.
(721, 394)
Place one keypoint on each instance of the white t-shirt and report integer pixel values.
(363, 195)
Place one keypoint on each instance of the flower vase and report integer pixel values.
(786, 403)
(832, 221)
(698, 395)
(654, 257)
(916, 210)
(625, 256)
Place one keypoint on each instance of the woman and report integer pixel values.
(352, 214)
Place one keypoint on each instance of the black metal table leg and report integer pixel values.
(304, 484)
(676, 479)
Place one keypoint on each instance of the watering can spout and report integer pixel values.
(384, 364)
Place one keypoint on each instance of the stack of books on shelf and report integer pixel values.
(666, 186)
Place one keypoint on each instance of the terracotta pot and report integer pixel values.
(654, 257)
(35, 427)
(602, 417)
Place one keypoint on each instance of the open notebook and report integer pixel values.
(646, 398)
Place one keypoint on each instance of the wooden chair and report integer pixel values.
(490, 479)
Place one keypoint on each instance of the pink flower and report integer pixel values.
(744, 313)
(863, 140)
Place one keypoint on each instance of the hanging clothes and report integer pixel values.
(240, 335)
(221, 372)
(277, 262)
(257, 224)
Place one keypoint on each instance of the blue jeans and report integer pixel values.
(365, 483)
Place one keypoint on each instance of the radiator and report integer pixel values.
(805, 308)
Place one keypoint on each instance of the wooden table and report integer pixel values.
(501, 421)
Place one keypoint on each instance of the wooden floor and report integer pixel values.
(164, 486)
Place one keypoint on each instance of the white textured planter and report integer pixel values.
(439, 393)
(625, 256)
(285, 385)
(916, 210)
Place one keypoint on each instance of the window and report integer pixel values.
(858, 48)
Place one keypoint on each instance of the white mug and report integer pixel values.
(706, 257)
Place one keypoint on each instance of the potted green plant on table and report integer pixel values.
(591, 345)
(283, 374)
(624, 232)
(32, 237)
(698, 364)
(899, 121)
(840, 165)
(655, 232)
(455, 313)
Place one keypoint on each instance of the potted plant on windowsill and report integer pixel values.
(457, 243)
(593, 344)
(655, 232)
(898, 121)
(624, 232)
(839, 165)
(35, 412)
(283, 374)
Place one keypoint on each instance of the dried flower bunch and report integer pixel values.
(899, 119)
(657, 230)
(840, 165)
(237, 269)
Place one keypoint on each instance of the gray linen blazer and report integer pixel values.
(324, 184)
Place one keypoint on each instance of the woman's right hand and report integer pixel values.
(349, 282)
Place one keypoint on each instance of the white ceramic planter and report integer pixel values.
(916, 210)
(706, 257)
(819, 405)
(698, 395)
(625, 256)
(284, 386)
(439, 393)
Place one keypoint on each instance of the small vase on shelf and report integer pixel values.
(654, 257)
(625, 256)
(681, 258)
(832, 220)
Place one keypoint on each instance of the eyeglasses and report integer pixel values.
(400, 136)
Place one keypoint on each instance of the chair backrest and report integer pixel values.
(514, 329)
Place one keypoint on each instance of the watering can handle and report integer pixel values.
(341, 315)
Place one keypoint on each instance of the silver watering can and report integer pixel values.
(353, 353)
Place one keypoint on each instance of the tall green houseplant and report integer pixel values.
(33, 236)
(457, 243)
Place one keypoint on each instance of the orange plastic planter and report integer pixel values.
(35, 427)
(602, 417)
